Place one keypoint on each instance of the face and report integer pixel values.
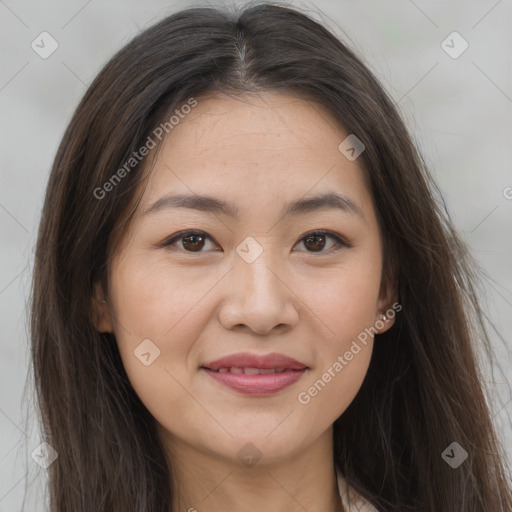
(284, 261)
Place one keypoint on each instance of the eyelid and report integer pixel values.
(182, 234)
(339, 239)
(342, 241)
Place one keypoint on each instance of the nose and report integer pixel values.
(258, 298)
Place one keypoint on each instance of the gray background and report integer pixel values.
(459, 110)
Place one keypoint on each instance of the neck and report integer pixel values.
(203, 482)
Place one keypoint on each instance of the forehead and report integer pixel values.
(257, 150)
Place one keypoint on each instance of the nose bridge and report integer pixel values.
(258, 272)
(257, 295)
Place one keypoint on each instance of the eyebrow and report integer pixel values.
(331, 200)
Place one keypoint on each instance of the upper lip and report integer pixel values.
(246, 360)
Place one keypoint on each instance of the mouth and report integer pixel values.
(249, 371)
(243, 381)
(255, 375)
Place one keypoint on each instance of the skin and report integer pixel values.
(258, 152)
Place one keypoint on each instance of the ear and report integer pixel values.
(387, 305)
(102, 318)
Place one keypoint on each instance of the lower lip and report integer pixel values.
(261, 384)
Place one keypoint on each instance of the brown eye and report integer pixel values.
(314, 242)
(191, 241)
(317, 241)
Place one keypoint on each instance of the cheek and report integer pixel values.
(158, 317)
(346, 306)
(154, 300)
(345, 301)
(328, 393)
(342, 360)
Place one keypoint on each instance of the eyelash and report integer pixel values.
(340, 241)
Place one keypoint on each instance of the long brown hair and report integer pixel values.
(424, 388)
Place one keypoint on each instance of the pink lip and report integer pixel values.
(246, 360)
(261, 384)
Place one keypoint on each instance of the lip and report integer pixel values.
(257, 384)
(247, 360)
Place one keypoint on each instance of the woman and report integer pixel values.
(245, 295)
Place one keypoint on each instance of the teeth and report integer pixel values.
(251, 371)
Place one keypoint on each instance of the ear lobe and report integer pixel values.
(102, 318)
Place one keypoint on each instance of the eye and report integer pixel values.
(191, 241)
(315, 241)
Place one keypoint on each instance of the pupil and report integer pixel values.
(318, 239)
(195, 239)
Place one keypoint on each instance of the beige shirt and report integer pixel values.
(352, 501)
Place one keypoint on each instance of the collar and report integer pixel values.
(350, 499)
